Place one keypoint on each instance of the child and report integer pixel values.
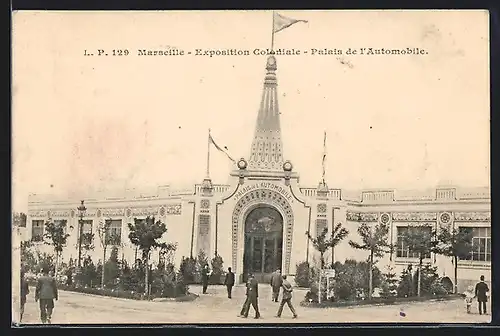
(469, 296)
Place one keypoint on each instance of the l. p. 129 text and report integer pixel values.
(102, 52)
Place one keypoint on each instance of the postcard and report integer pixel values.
(184, 167)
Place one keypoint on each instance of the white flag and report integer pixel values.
(210, 139)
(281, 22)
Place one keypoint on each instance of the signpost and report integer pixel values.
(330, 277)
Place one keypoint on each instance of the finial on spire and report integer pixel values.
(271, 63)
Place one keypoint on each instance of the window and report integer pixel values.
(87, 232)
(203, 240)
(114, 232)
(63, 223)
(481, 243)
(402, 248)
(37, 230)
(321, 224)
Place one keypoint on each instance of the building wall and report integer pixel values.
(311, 209)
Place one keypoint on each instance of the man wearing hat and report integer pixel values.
(252, 298)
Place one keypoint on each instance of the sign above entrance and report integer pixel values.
(265, 185)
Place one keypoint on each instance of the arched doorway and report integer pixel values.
(263, 251)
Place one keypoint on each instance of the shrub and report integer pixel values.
(112, 269)
(353, 279)
(131, 279)
(405, 286)
(351, 282)
(201, 261)
(304, 274)
(389, 283)
(312, 294)
(88, 275)
(430, 282)
(188, 269)
(429, 279)
(217, 270)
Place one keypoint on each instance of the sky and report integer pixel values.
(83, 123)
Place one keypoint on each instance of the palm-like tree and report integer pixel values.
(375, 240)
(421, 240)
(322, 244)
(454, 243)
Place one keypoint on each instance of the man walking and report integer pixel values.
(252, 298)
(46, 292)
(24, 293)
(482, 297)
(286, 298)
(205, 273)
(229, 282)
(276, 282)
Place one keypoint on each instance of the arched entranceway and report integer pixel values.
(263, 250)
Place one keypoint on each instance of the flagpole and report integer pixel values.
(272, 35)
(208, 154)
(324, 156)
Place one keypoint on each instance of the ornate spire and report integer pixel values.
(267, 147)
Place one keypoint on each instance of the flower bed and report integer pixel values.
(377, 301)
(116, 293)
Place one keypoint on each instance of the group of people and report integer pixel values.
(45, 294)
(480, 292)
(278, 282)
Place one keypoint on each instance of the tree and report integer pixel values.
(28, 259)
(375, 241)
(454, 243)
(145, 235)
(390, 284)
(87, 242)
(420, 240)
(55, 235)
(323, 244)
(102, 232)
(112, 267)
(19, 219)
(217, 269)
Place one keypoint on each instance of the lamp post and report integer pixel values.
(81, 211)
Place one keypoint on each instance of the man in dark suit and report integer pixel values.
(252, 298)
(276, 282)
(286, 298)
(46, 292)
(482, 297)
(205, 273)
(229, 282)
(24, 293)
(247, 300)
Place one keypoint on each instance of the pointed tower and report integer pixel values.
(267, 147)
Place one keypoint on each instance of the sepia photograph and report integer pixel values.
(235, 167)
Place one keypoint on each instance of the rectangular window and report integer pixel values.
(37, 230)
(114, 232)
(402, 249)
(321, 224)
(481, 243)
(63, 222)
(203, 240)
(87, 232)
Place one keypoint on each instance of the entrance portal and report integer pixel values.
(263, 243)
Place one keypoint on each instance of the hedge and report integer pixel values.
(117, 293)
(378, 301)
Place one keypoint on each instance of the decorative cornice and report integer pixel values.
(362, 216)
(478, 216)
(413, 216)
